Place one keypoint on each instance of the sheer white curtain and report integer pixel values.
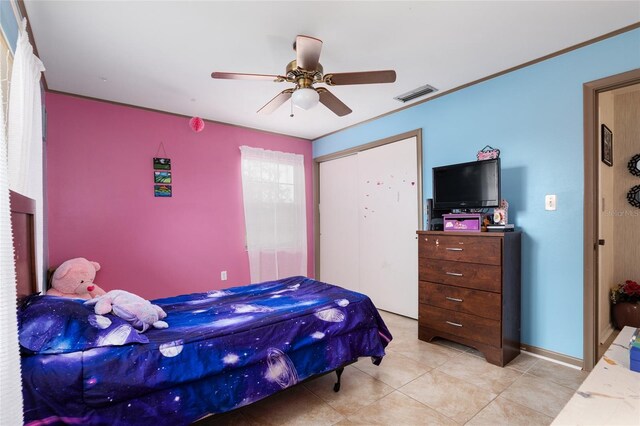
(25, 133)
(10, 381)
(25, 115)
(273, 191)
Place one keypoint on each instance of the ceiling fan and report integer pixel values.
(304, 72)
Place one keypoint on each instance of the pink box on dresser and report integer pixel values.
(463, 222)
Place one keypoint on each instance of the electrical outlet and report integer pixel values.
(550, 202)
(223, 275)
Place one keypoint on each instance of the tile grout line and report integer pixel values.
(497, 396)
(426, 405)
(551, 379)
(531, 408)
(485, 406)
(434, 408)
(511, 401)
(390, 385)
(531, 366)
(365, 406)
(341, 420)
(343, 417)
(554, 382)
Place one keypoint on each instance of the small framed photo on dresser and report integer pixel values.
(607, 146)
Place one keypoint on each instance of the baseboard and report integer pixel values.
(606, 333)
(555, 356)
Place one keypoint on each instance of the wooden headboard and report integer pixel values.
(23, 212)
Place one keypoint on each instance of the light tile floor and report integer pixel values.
(419, 383)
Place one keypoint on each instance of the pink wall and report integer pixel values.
(101, 203)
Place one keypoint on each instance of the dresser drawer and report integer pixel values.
(461, 248)
(460, 274)
(472, 327)
(481, 303)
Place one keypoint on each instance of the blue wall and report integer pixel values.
(534, 116)
(9, 23)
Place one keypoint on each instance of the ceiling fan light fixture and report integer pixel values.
(305, 98)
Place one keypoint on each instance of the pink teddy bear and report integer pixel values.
(74, 278)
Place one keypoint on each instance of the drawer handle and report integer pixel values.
(454, 323)
(455, 274)
(454, 249)
(453, 299)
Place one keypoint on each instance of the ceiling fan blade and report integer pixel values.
(240, 76)
(276, 102)
(329, 100)
(308, 52)
(365, 77)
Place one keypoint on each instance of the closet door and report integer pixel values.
(339, 241)
(388, 220)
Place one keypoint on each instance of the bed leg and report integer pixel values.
(336, 387)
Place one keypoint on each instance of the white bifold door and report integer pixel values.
(368, 220)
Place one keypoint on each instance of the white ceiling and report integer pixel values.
(160, 54)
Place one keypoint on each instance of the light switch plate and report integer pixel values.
(550, 202)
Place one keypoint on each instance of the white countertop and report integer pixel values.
(610, 395)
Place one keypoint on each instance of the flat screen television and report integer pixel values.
(470, 185)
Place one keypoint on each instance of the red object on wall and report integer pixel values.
(108, 214)
(196, 124)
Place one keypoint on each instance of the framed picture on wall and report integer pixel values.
(162, 190)
(162, 177)
(607, 146)
(161, 163)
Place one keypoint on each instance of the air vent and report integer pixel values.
(416, 93)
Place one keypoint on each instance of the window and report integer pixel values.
(273, 189)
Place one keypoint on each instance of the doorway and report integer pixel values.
(600, 211)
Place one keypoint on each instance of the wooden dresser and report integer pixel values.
(469, 290)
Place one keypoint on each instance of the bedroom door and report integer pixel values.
(369, 212)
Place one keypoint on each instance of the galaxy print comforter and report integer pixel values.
(223, 350)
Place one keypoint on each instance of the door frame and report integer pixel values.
(417, 133)
(591, 211)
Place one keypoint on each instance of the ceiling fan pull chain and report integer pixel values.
(291, 103)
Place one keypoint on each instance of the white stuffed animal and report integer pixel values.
(138, 311)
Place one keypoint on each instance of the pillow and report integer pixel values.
(52, 325)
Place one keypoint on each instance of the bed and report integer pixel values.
(223, 349)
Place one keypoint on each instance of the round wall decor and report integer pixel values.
(633, 196)
(634, 165)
